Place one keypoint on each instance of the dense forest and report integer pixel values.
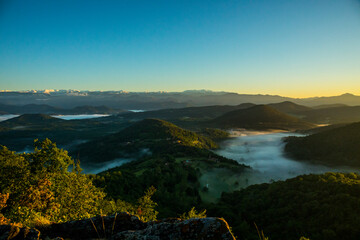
(50, 187)
(156, 136)
(338, 146)
(260, 117)
(47, 186)
(177, 184)
(167, 180)
(322, 207)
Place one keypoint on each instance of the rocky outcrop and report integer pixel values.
(196, 228)
(16, 233)
(126, 226)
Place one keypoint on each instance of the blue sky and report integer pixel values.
(293, 48)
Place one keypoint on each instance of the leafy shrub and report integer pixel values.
(193, 214)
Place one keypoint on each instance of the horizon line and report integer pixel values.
(49, 91)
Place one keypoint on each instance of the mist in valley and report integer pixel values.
(80, 116)
(5, 117)
(264, 153)
(96, 168)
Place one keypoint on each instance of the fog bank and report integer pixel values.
(7, 116)
(80, 116)
(264, 153)
(100, 167)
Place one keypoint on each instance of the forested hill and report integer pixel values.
(205, 112)
(338, 146)
(333, 115)
(158, 136)
(289, 107)
(27, 120)
(260, 117)
(46, 186)
(47, 109)
(319, 207)
(161, 130)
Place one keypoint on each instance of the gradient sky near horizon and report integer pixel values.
(295, 48)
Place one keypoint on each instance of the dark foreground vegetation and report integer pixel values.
(323, 206)
(37, 188)
(47, 186)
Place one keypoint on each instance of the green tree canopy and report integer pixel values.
(40, 186)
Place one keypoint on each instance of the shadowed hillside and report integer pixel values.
(31, 120)
(289, 107)
(329, 106)
(338, 146)
(206, 112)
(47, 109)
(28, 109)
(315, 206)
(260, 117)
(19, 132)
(343, 114)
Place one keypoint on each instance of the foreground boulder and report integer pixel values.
(126, 226)
(16, 233)
(196, 228)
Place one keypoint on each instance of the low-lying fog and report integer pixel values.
(7, 116)
(263, 151)
(97, 168)
(80, 116)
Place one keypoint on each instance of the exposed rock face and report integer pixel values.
(197, 228)
(15, 233)
(96, 227)
(126, 226)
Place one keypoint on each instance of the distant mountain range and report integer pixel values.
(325, 114)
(158, 100)
(321, 114)
(206, 112)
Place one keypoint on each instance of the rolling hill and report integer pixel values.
(19, 132)
(28, 109)
(260, 117)
(206, 112)
(92, 110)
(31, 120)
(289, 107)
(339, 146)
(47, 109)
(146, 136)
(332, 115)
(329, 106)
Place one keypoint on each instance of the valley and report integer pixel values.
(193, 156)
(180, 120)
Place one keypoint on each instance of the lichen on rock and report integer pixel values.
(125, 226)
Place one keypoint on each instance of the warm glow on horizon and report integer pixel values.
(287, 93)
(293, 48)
